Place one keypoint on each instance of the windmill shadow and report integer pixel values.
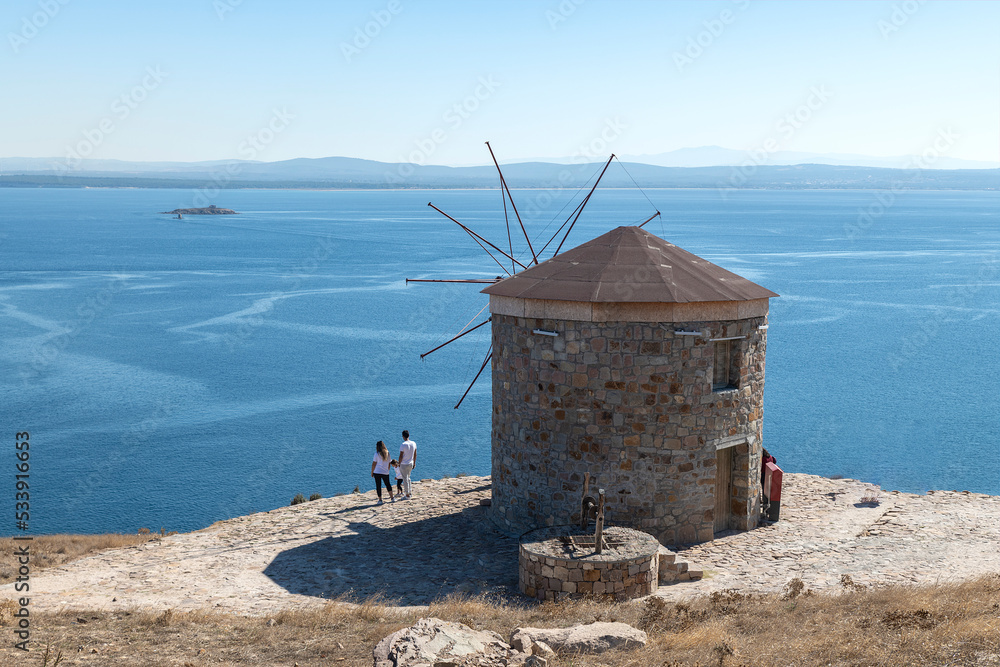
(413, 563)
(484, 487)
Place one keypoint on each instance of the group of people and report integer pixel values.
(403, 466)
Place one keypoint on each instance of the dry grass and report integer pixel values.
(54, 550)
(955, 624)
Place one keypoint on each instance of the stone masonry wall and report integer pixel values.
(548, 578)
(631, 403)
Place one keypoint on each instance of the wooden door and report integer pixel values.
(723, 486)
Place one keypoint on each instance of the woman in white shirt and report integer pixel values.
(380, 471)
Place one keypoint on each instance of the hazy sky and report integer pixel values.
(430, 81)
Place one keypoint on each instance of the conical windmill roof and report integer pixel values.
(629, 265)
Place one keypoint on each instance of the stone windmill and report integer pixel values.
(642, 364)
(635, 361)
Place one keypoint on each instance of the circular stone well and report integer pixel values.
(559, 561)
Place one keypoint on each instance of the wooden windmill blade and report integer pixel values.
(468, 331)
(490, 248)
(503, 182)
(586, 199)
(478, 239)
(489, 354)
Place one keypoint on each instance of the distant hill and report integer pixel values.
(716, 156)
(344, 173)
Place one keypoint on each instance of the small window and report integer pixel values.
(724, 373)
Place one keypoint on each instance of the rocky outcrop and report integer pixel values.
(431, 641)
(592, 638)
(208, 210)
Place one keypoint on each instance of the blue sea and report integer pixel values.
(172, 373)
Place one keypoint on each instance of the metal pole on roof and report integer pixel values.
(503, 182)
(489, 353)
(477, 238)
(488, 320)
(506, 222)
(649, 218)
(559, 231)
(584, 203)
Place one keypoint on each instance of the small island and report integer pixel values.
(208, 210)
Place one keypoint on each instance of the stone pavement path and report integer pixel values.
(825, 532)
(440, 542)
(409, 551)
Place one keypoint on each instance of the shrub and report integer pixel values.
(870, 496)
(298, 499)
(315, 496)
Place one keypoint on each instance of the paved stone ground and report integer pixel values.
(439, 542)
(825, 532)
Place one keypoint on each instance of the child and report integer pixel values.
(399, 477)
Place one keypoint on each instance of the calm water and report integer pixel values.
(173, 373)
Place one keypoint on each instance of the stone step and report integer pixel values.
(679, 567)
(672, 570)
